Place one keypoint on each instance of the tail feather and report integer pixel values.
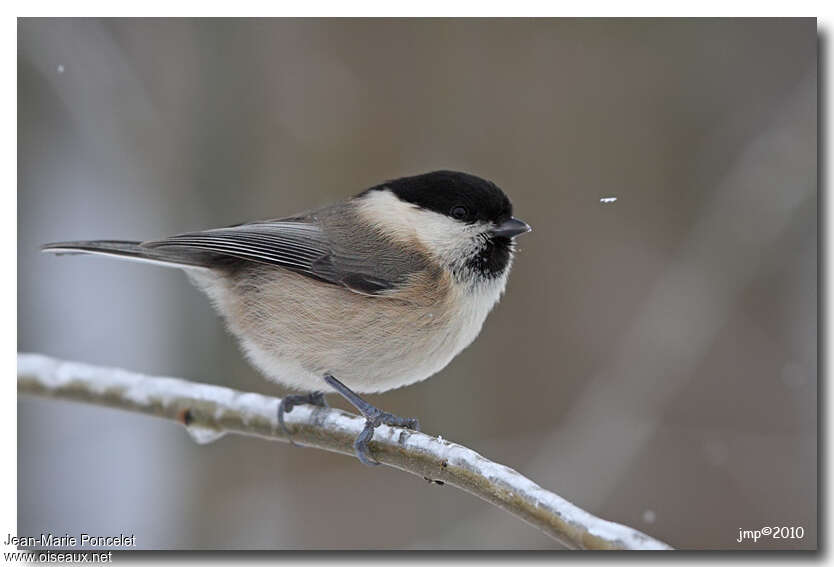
(131, 250)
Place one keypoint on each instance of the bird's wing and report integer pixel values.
(298, 244)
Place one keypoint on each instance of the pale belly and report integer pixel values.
(371, 344)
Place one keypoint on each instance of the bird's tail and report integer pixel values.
(132, 250)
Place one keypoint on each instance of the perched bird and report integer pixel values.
(376, 292)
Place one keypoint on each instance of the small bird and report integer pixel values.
(373, 293)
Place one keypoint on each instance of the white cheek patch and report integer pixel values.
(450, 241)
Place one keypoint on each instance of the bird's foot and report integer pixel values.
(374, 417)
(289, 402)
(371, 423)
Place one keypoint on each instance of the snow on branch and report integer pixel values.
(209, 412)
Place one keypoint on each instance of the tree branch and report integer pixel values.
(211, 411)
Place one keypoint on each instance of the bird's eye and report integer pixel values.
(459, 212)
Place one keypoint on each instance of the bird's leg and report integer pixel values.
(292, 400)
(374, 417)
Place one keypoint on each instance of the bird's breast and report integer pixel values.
(295, 329)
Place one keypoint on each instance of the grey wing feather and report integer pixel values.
(299, 244)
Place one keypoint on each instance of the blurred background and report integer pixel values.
(654, 359)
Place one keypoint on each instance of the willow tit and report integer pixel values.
(374, 293)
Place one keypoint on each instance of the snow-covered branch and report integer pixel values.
(211, 411)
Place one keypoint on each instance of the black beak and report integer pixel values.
(511, 228)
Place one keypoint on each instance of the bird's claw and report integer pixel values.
(289, 402)
(374, 419)
(360, 446)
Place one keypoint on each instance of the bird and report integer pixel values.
(372, 293)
